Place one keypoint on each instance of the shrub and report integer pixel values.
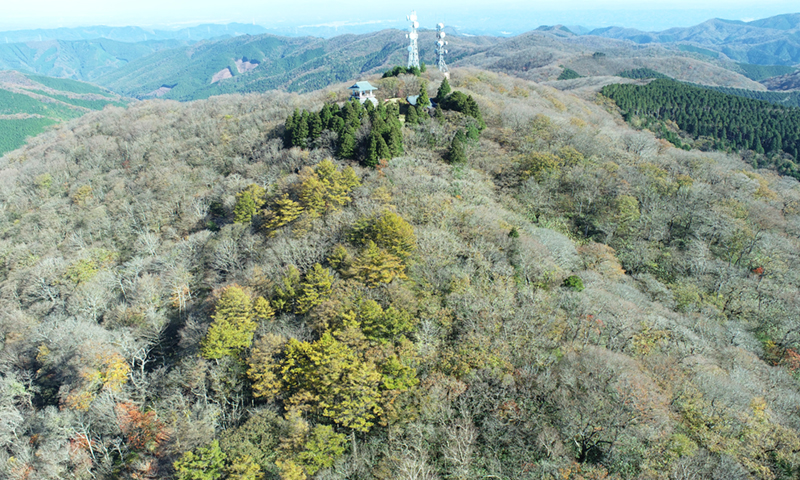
(574, 282)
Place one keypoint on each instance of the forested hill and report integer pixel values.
(31, 103)
(743, 123)
(218, 289)
(258, 63)
(84, 60)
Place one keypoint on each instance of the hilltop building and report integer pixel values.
(363, 91)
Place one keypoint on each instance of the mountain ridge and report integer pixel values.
(131, 34)
(768, 41)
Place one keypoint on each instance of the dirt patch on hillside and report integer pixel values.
(159, 92)
(244, 66)
(222, 75)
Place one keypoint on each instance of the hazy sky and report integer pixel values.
(643, 14)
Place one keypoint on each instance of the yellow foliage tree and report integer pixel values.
(539, 165)
(328, 378)
(233, 324)
(264, 368)
(107, 371)
(389, 231)
(284, 211)
(375, 265)
(262, 310)
(325, 188)
(287, 292)
(314, 289)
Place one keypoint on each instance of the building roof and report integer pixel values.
(365, 86)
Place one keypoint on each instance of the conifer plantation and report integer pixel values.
(514, 283)
(730, 120)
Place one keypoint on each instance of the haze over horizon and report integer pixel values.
(507, 17)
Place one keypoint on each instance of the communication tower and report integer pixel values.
(413, 48)
(441, 50)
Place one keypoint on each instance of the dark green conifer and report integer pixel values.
(439, 113)
(314, 125)
(371, 159)
(444, 90)
(456, 154)
(423, 101)
(383, 149)
(395, 140)
(347, 144)
(411, 116)
(291, 124)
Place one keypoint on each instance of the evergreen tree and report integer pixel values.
(372, 157)
(325, 116)
(395, 140)
(411, 116)
(759, 148)
(347, 145)
(444, 90)
(439, 112)
(456, 152)
(314, 125)
(379, 125)
(473, 111)
(382, 148)
(423, 101)
(300, 131)
(393, 113)
(350, 114)
(381, 110)
(291, 124)
(422, 114)
(337, 125)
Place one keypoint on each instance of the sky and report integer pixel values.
(518, 15)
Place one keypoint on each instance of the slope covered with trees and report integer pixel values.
(183, 296)
(743, 123)
(31, 103)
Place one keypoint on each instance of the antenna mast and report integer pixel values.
(413, 48)
(440, 50)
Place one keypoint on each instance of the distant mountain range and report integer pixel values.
(769, 41)
(207, 60)
(258, 63)
(132, 34)
(89, 52)
(77, 59)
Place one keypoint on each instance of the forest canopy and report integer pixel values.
(530, 289)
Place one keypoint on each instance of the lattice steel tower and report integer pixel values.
(440, 50)
(413, 48)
